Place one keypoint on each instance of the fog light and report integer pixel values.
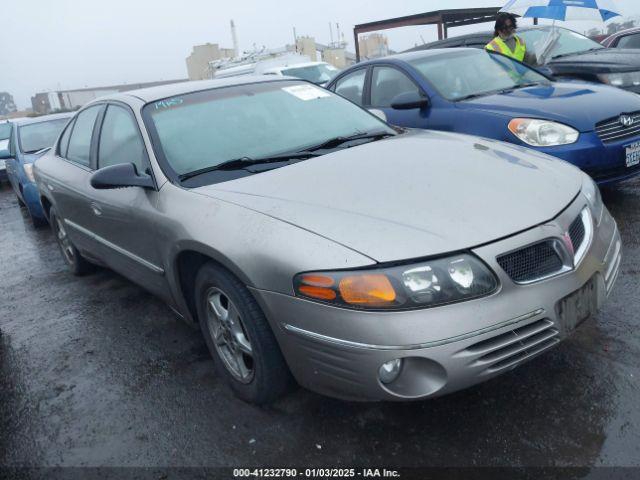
(389, 371)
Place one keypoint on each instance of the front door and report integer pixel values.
(125, 219)
(387, 83)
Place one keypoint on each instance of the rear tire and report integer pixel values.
(72, 257)
(239, 338)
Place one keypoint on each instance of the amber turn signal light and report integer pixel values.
(317, 286)
(372, 290)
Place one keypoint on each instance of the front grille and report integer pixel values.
(577, 233)
(509, 349)
(612, 130)
(532, 263)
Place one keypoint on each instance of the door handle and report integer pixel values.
(96, 209)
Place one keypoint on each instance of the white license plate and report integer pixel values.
(578, 307)
(633, 154)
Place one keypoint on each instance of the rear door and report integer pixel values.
(70, 189)
(125, 219)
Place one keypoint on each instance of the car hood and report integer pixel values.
(561, 101)
(605, 60)
(411, 196)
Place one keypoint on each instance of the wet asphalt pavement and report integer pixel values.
(95, 371)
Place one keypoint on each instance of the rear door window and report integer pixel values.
(64, 141)
(79, 150)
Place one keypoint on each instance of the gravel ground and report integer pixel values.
(94, 371)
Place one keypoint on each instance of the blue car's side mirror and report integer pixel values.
(409, 101)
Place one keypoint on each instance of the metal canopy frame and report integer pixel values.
(444, 19)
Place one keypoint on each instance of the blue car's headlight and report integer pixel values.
(543, 133)
(28, 170)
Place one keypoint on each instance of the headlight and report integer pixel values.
(592, 192)
(28, 170)
(542, 133)
(425, 284)
(621, 80)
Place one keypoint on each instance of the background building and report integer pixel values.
(202, 55)
(307, 46)
(65, 100)
(374, 45)
(7, 105)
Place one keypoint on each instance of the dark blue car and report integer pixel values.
(595, 127)
(27, 140)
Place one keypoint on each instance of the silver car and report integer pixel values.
(312, 242)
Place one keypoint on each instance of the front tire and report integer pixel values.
(239, 338)
(75, 261)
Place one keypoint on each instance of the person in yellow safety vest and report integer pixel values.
(507, 42)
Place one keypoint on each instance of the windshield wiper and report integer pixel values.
(576, 53)
(497, 92)
(244, 162)
(337, 141)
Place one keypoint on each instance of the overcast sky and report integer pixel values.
(62, 44)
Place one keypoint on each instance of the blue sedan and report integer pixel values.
(28, 139)
(595, 127)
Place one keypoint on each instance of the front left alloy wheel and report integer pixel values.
(239, 337)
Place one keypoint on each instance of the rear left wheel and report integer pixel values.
(74, 260)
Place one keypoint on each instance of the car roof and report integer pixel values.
(410, 55)
(152, 94)
(43, 118)
(624, 33)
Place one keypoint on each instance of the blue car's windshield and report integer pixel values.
(36, 136)
(467, 73)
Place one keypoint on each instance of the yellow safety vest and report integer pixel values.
(498, 45)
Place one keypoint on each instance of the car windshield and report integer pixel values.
(36, 136)
(554, 42)
(201, 130)
(467, 73)
(5, 131)
(313, 73)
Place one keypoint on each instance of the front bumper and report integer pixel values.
(338, 352)
(605, 163)
(31, 198)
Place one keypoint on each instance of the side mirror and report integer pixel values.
(5, 154)
(409, 101)
(119, 176)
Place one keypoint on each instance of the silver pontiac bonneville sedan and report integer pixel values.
(312, 241)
